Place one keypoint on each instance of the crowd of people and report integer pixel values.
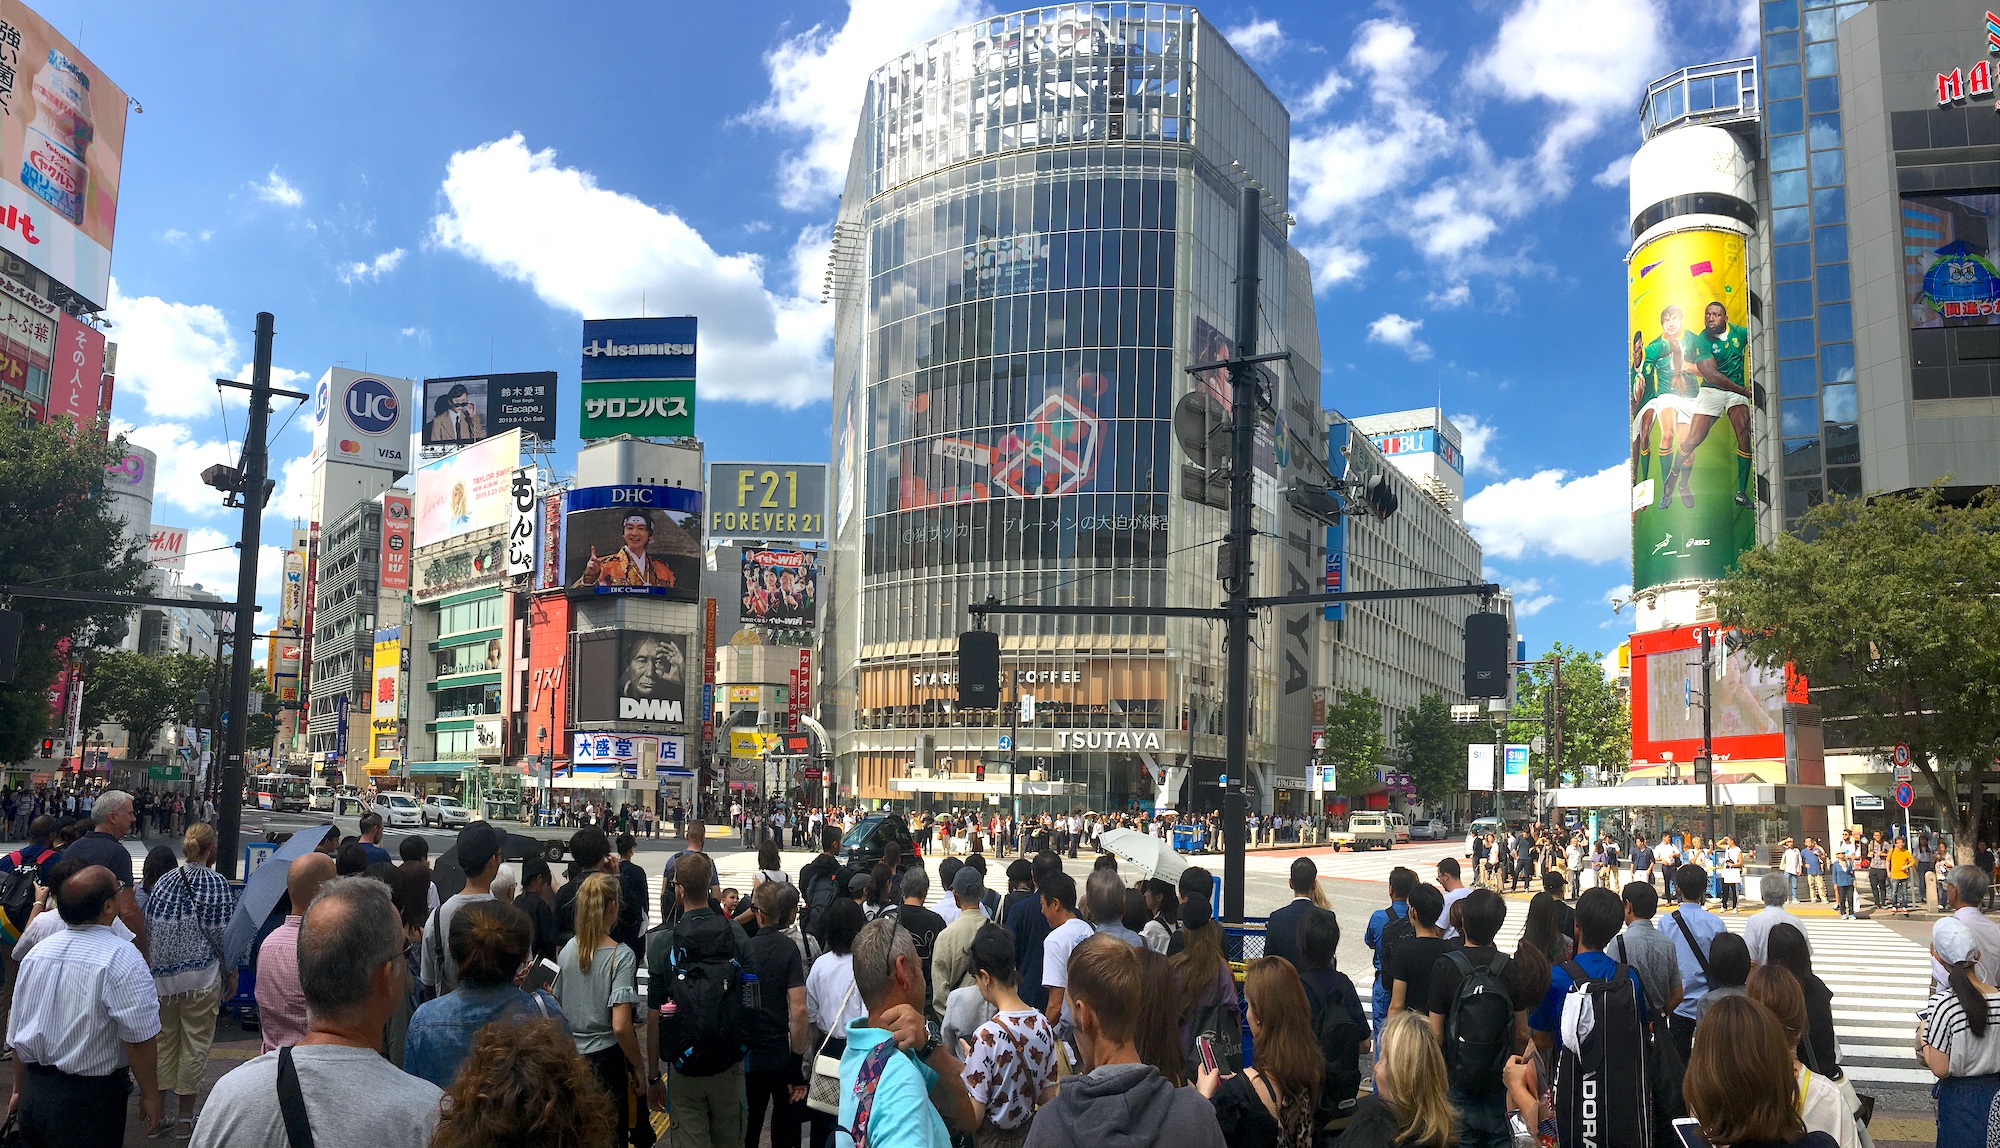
(907, 1003)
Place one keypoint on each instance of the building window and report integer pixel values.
(1833, 286)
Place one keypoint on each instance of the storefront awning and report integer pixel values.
(1691, 796)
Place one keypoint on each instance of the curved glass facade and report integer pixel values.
(1037, 237)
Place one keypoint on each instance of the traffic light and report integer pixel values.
(979, 771)
(1486, 645)
(48, 747)
(979, 670)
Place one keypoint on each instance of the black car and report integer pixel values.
(869, 841)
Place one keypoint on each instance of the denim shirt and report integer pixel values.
(441, 1032)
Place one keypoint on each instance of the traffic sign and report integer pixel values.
(1902, 775)
(1006, 741)
(1903, 794)
(1901, 754)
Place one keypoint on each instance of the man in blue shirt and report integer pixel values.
(919, 1085)
(1030, 929)
(371, 840)
(1402, 882)
(1691, 919)
(1599, 916)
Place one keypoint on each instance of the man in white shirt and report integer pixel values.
(1454, 892)
(1667, 857)
(1791, 865)
(1774, 888)
(1066, 932)
(1965, 891)
(84, 1012)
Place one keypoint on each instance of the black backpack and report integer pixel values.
(1603, 1093)
(1479, 1028)
(1394, 932)
(706, 987)
(17, 891)
(819, 897)
(1340, 1047)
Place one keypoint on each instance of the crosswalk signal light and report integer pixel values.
(979, 771)
(48, 747)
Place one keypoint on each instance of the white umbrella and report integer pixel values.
(1152, 856)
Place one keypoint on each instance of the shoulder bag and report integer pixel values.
(823, 1091)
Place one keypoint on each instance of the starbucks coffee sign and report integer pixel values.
(1108, 739)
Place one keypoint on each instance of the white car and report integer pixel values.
(1430, 829)
(322, 798)
(443, 811)
(399, 810)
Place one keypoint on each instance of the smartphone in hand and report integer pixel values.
(1687, 1130)
(1207, 1054)
(540, 976)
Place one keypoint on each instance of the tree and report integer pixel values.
(1354, 741)
(263, 727)
(1433, 749)
(143, 694)
(1596, 723)
(1890, 609)
(57, 529)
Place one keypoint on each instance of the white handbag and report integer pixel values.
(823, 1091)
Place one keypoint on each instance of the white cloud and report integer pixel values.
(182, 458)
(819, 77)
(179, 238)
(1332, 261)
(1258, 40)
(1615, 173)
(373, 269)
(1456, 295)
(1554, 514)
(1590, 58)
(594, 251)
(1476, 437)
(170, 354)
(1533, 605)
(1397, 331)
(1322, 94)
(1746, 26)
(1618, 594)
(277, 189)
(216, 570)
(293, 498)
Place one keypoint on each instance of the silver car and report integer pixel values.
(444, 811)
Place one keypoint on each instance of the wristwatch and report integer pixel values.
(931, 1045)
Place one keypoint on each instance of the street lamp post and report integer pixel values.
(1704, 766)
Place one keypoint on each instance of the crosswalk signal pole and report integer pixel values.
(1236, 584)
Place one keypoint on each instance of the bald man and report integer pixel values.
(281, 1003)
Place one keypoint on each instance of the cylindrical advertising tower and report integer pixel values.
(1694, 493)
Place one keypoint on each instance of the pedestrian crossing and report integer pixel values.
(1421, 857)
(1879, 981)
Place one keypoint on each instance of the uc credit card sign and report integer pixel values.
(638, 377)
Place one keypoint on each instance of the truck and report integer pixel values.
(1369, 829)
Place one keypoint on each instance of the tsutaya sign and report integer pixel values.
(1126, 739)
(1978, 80)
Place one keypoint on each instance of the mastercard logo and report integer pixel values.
(349, 446)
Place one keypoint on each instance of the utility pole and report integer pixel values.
(1014, 763)
(1236, 579)
(1705, 764)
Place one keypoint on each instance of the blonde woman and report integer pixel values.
(597, 988)
(1409, 1107)
(187, 909)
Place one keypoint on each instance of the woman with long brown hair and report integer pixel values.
(1821, 1105)
(1273, 1102)
(1739, 1081)
(598, 991)
(1206, 988)
(1411, 1104)
(524, 1086)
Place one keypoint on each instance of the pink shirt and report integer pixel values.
(281, 1004)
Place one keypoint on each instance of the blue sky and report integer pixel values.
(444, 189)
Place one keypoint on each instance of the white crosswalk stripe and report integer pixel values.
(1420, 857)
(1879, 981)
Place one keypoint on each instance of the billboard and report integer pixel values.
(1949, 279)
(624, 753)
(469, 489)
(76, 371)
(638, 378)
(397, 541)
(631, 675)
(462, 410)
(780, 588)
(633, 540)
(1693, 505)
(62, 140)
(1514, 769)
(766, 501)
(1479, 767)
(168, 547)
(292, 593)
(385, 701)
(362, 419)
(1748, 701)
(522, 505)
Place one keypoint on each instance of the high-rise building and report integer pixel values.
(1038, 236)
(350, 606)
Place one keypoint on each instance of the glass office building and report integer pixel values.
(1037, 236)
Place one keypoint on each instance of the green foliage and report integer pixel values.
(1596, 727)
(1355, 741)
(263, 727)
(1433, 748)
(143, 694)
(56, 530)
(1891, 610)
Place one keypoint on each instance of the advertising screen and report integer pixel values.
(638, 377)
(463, 410)
(1949, 244)
(469, 489)
(1748, 700)
(397, 534)
(780, 588)
(62, 138)
(1693, 503)
(766, 501)
(362, 419)
(631, 675)
(633, 540)
(384, 706)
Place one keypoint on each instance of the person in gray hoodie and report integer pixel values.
(1117, 1100)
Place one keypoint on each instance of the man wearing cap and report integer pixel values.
(479, 856)
(950, 966)
(631, 566)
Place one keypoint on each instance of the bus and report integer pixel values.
(282, 792)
